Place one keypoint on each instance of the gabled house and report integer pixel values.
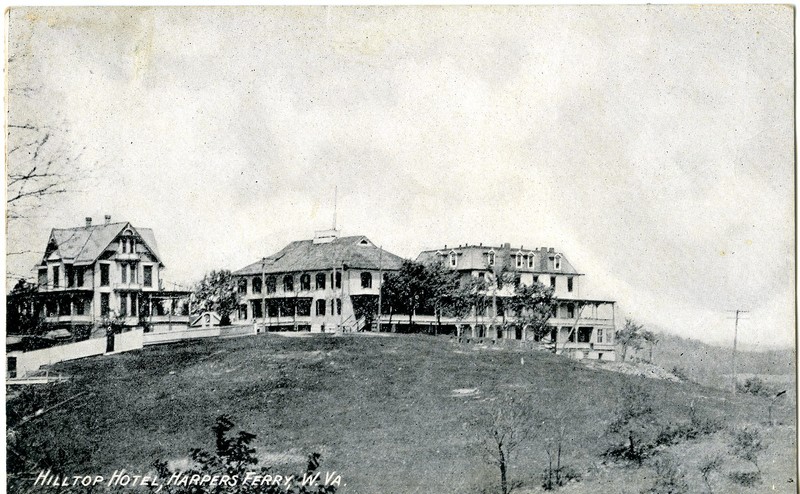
(109, 271)
(325, 284)
(581, 326)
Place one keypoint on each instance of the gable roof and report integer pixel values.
(83, 245)
(355, 252)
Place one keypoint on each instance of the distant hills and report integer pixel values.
(711, 365)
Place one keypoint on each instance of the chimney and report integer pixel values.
(445, 246)
(88, 221)
(507, 246)
(108, 219)
(552, 249)
(544, 249)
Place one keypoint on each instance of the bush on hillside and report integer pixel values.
(755, 386)
(233, 458)
(669, 477)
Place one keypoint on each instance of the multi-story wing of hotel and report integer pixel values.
(581, 326)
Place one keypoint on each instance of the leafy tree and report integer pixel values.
(443, 286)
(533, 305)
(652, 340)
(217, 291)
(234, 457)
(23, 314)
(409, 289)
(629, 336)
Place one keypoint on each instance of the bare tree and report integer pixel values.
(510, 424)
(42, 158)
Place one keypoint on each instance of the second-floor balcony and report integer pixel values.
(128, 286)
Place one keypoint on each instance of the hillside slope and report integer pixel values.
(394, 414)
(712, 365)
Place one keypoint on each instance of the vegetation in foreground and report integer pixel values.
(398, 414)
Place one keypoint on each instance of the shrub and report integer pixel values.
(669, 478)
(755, 386)
(746, 444)
(234, 457)
(747, 479)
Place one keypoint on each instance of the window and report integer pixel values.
(123, 306)
(490, 258)
(257, 312)
(243, 312)
(105, 304)
(553, 281)
(531, 260)
(569, 284)
(69, 273)
(366, 280)
(148, 276)
(271, 284)
(104, 274)
(304, 306)
(321, 282)
(321, 306)
(56, 274)
(453, 259)
(80, 273)
(536, 279)
(519, 259)
(64, 307)
(42, 277)
(338, 307)
(256, 283)
(557, 263)
(242, 286)
(599, 332)
(570, 310)
(124, 270)
(134, 304)
(481, 276)
(338, 279)
(305, 282)
(80, 307)
(288, 283)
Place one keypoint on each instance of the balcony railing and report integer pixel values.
(127, 286)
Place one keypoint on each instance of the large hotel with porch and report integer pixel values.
(333, 284)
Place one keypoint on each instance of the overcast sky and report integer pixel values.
(652, 145)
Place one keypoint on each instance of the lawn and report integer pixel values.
(390, 414)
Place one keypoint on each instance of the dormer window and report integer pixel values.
(453, 259)
(557, 262)
(531, 260)
(519, 259)
(490, 258)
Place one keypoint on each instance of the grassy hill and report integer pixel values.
(391, 414)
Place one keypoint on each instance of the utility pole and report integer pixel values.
(263, 293)
(380, 285)
(736, 313)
